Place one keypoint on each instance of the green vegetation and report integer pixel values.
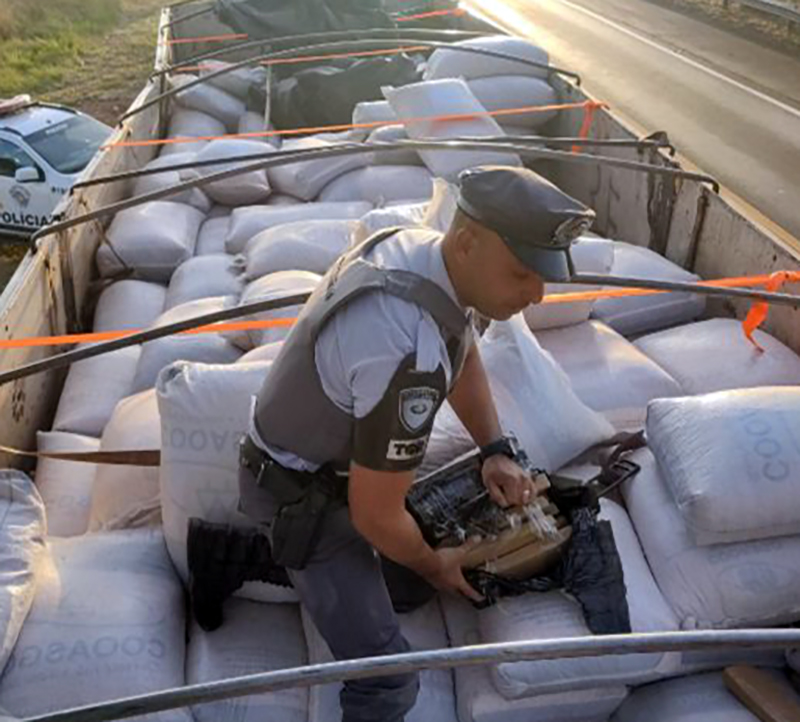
(93, 54)
(41, 40)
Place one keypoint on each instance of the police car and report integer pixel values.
(43, 149)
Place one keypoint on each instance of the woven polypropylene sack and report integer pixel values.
(213, 274)
(715, 355)
(159, 181)
(128, 496)
(441, 98)
(479, 701)
(742, 584)
(452, 63)
(255, 638)
(107, 622)
(380, 184)
(731, 461)
(211, 236)
(238, 190)
(22, 530)
(65, 486)
(510, 92)
(128, 305)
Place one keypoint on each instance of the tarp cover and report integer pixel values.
(276, 18)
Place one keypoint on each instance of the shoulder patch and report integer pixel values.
(417, 406)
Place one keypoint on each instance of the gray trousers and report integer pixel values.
(343, 590)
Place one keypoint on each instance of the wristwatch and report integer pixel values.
(505, 445)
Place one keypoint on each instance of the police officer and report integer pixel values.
(343, 418)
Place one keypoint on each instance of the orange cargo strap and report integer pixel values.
(353, 126)
(431, 14)
(759, 310)
(209, 39)
(588, 118)
(328, 56)
(734, 282)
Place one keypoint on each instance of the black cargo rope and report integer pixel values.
(446, 658)
(697, 287)
(348, 44)
(67, 358)
(291, 40)
(279, 158)
(516, 139)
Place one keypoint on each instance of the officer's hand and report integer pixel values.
(450, 577)
(508, 484)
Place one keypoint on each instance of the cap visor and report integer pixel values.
(551, 265)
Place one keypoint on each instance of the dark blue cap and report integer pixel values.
(535, 219)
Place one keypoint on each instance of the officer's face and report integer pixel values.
(501, 285)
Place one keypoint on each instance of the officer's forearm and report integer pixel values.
(471, 399)
(378, 512)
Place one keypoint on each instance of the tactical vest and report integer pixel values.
(293, 411)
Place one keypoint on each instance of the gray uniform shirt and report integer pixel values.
(360, 349)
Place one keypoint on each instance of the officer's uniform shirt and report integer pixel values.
(360, 349)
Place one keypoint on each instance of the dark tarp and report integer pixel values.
(275, 18)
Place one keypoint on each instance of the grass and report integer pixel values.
(92, 54)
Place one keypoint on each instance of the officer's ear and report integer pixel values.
(465, 239)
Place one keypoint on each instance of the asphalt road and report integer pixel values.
(731, 106)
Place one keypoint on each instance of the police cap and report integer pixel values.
(535, 219)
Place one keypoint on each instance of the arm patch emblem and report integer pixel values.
(417, 405)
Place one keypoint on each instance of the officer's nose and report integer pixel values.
(536, 289)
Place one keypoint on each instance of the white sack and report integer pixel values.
(248, 221)
(372, 111)
(65, 486)
(392, 134)
(243, 189)
(237, 82)
(128, 304)
(746, 584)
(589, 255)
(555, 614)
(506, 92)
(424, 630)
(446, 97)
(206, 347)
(443, 206)
(534, 400)
(218, 274)
(107, 622)
(479, 701)
(22, 531)
(92, 390)
(205, 411)
(687, 699)
(253, 123)
(732, 461)
(267, 352)
(380, 184)
(299, 246)
(640, 314)
(255, 638)
(272, 286)
(127, 496)
(215, 102)
(158, 181)
(607, 372)
(282, 199)
(405, 215)
(153, 239)
(451, 63)
(306, 179)
(185, 123)
(715, 355)
(211, 236)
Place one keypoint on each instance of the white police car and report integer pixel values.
(43, 149)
